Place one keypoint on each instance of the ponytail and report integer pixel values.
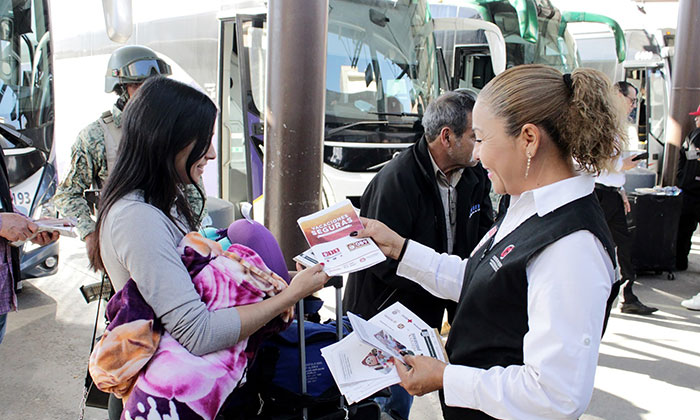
(580, 112)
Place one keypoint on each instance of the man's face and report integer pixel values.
(631, 98)
(461, 151)
(697, 121)
(131, 88)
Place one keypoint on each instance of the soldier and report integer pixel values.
(94, 151)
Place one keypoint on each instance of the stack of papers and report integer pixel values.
(363, 362)
(328, 233)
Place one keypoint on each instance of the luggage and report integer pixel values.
(654, 224)
(278, 388)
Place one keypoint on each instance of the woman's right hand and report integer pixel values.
(308, 281)
(388, 241)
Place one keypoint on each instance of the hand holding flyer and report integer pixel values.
(50, 224)
(328, 233)
(363, 362)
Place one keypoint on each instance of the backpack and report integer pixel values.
(273, 384)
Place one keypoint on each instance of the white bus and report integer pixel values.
(382, 71)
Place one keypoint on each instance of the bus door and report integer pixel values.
(474, 51)
(651, 112)
(243, 49)
(657, 105)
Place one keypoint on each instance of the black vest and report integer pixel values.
(491, 318)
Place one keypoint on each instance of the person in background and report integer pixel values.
(144, 213)
(689, 183)
(611, 194)
(13, 227)
(95, 150)
(434, 193)
(534, 295)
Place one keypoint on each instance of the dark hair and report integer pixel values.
(624, 87)
(448, 110)
(163, 118)
(583, 119)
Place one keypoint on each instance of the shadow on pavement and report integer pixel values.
(32, 297)
(623, 409)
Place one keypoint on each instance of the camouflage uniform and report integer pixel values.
(89, 168)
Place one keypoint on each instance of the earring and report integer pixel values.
(527, 168)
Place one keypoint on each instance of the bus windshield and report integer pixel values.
(381, 59)
(550, 49)
(26, 100)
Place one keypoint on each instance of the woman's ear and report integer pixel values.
(529, 139)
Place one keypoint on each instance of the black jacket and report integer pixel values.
(404, 195)
(688, 178)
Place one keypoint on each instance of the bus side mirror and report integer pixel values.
(118, 21)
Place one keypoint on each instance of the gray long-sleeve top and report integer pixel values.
(138, 241)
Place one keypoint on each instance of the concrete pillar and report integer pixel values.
(685, 93)
(294, 117)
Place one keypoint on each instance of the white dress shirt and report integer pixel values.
(569, 283)
(448, 194)
(614, 177)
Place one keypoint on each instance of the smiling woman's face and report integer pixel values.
(497, 151)
(197, 169)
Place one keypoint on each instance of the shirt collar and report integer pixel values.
(552, 196)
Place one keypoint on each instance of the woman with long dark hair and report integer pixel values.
(166, 143)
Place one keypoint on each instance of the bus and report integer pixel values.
(647, 68)
(535, 32)
(27, 120)
(382, 71)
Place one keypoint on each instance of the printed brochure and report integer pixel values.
(328, 233)
(363, 362)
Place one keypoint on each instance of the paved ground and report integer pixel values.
(649, 366)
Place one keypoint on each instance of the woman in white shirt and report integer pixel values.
(534, 295)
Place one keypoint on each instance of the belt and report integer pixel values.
(606, 187)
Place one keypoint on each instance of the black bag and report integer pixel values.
(654, 223)
(93, 396)
(274, 380)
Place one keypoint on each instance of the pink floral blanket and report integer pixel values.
(154, 374)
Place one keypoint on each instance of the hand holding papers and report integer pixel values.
(50, 224)
(327, 232)
(363, 362)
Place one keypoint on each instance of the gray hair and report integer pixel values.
(449, 110)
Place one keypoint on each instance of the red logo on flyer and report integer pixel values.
(507, 251)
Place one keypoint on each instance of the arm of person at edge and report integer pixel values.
(566, 309)
(627, 164)
(167, 287)
(69, 198)
(18, 227)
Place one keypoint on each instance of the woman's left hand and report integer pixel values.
(424, 376)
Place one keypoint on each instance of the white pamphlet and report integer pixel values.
(328, 233)
(363, 362)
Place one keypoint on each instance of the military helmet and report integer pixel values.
(133, 64)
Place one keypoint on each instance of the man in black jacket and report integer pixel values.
(433, 193)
